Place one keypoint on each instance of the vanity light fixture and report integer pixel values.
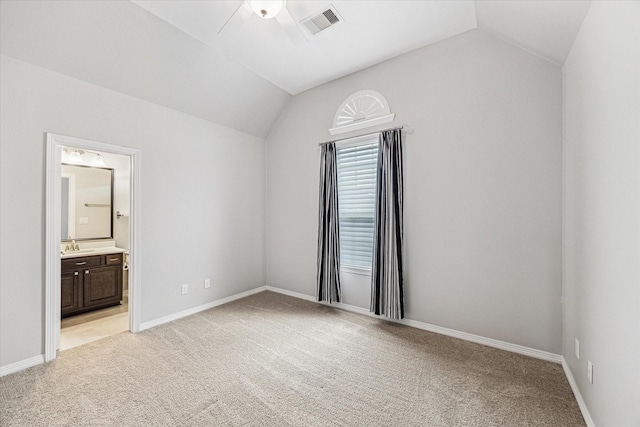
(79, 157)
(71, 155)
(266, 9)
(97, 160)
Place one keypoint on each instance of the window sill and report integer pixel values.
(356, 270)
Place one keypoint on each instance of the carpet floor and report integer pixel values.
(273, 360)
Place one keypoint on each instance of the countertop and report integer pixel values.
(91, 252)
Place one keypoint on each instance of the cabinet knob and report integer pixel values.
(75, 274)
(86, 272)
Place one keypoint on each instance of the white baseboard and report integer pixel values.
(23, 364)
(292, 293)
(37, 360)
(194, 310)
(576, 392)
(515, 348)
(527, 351)
(502, 345)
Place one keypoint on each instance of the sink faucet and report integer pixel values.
(72, 247)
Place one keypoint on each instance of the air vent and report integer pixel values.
(322, 20)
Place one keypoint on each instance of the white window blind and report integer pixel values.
(357, 166)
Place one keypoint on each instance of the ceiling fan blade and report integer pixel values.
(239, 17)
(290, 27)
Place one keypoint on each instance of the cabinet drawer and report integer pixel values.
(113, 259)
(83, 262)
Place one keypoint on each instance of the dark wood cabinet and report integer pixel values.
(90, 283)
(70, 292)
(102, 285)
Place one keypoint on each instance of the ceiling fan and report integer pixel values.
(267, 9)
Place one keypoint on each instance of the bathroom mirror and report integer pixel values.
(87, 202)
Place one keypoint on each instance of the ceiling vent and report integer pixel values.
(321, 21)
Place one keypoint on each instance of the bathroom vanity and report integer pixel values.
(90, 280)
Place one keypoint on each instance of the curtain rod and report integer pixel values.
(403, 127)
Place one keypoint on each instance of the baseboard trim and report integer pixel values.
(37, 360)
(292, 293)
(502, 345)
(194, 310)
(576, 392)
(22, 364)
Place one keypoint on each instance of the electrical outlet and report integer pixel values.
(590, 371)
(207, 283)
(576, 348)
(185, 288)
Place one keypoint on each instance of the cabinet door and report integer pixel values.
(102, 286)
(70, 292)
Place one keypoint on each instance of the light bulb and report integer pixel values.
(97, 161)
(74, 157)
(266, 9)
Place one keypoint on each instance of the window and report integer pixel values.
(357, 166)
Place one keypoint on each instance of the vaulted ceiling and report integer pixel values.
(170, 52)
(371, 32)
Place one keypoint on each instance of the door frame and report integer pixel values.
(53, 228)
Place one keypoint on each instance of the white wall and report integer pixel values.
(203, 197)
(602, 211)
(121, 46)
(121, 197)
(482, 187)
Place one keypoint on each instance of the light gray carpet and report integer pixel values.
(272, 360)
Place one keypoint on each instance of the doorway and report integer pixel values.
(127, 217)
(95, 216)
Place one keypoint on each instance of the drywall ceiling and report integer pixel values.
(546, 28)
(372, 31)
(169, 52)
(122, 47)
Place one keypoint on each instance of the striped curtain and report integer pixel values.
(328, 279)
(387, 297)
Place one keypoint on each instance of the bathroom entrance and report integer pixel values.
(94, 251)
(92, 242)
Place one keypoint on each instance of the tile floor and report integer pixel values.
(92, 326)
